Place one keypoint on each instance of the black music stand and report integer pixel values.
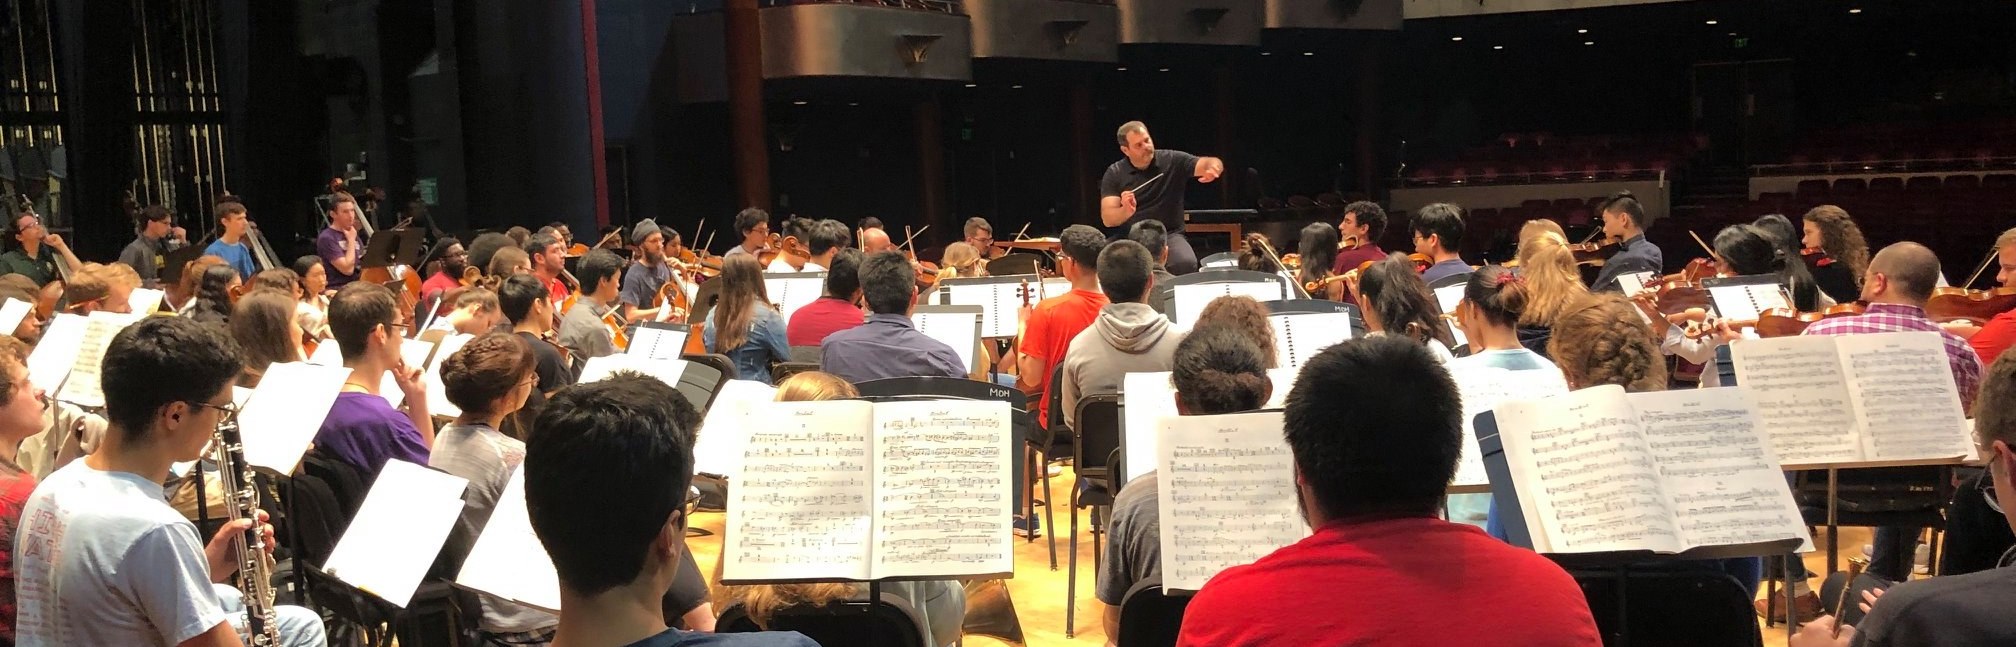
(393, 247)
(173, 263)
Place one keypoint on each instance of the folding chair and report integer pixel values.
(1669, 607)
(1094, 456)
(1149, 617)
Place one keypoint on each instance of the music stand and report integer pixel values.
(174, 262)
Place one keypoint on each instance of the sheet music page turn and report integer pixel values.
(1714, 459)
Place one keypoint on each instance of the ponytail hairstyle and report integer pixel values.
(1553, 283)
(1748, 250)
(1318, 249)
(1402, 301)
(1794, 274)
(1498, 294)
(1218, 369)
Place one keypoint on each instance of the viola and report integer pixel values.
(1962, 304)
(1592, 253)
(1787, 322)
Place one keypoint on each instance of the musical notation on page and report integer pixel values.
(1227, 494)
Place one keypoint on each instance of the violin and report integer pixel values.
(1785, 322)
(927, 271)
(1592, 253)
(1975, 306)
(1349, 243)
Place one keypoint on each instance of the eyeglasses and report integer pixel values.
(226, 409)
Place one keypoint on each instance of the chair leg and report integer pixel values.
(1932, 559)
(1098, 536)
(1771, 591)
(1049, 507)
(1071, 580)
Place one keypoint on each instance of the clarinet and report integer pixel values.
(254, 575)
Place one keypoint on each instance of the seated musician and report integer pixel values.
(1364, 222)
(35, 251)
(452, 259)
(980, 235)
(1969, 609)
(1217, 368)
(1381, 566)
(796, 228)
(647, 276)
(311, 313)
(96, 287)
(583, 330)
(20, 418)
(101, 558)
(1489, 316)
(822, 240)
(157, 235)
(1248, 317)
(1740, 250)
(1438, 234)
(753, 225)
(548, 257)
(941, 604)
(213, 294)
(486, 246)
(1053, 323)
(1999, 333)
(1154, 236)
(838, 308)
(262, 322)
(744, 325)
(960, 261)
(17, 287)
(475, 311)
(362, 429)
(1395, 301)
(874, 238)
(522, 299)
(1553, 283)
(888, 344)
(1830, 230)
(1625, 220)
(1128, 336)
(629, 437)
(1318, 248)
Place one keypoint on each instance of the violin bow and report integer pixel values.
(1983, 267)
(1704, 245)
(1024, 230)
(910, 236)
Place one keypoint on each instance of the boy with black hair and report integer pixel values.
(1438, 234)
(1127, 337)
(101, 559)
(753, 225)
(629, 436)
(1625, 219)
(148, 252)
(1365, 222)
(582, 329)
(1381, 566)
(888, 344)
(1154, 236)
(836, 310)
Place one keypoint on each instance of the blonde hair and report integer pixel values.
(960, 260)
(1552, 281)
(1540, 227)
(763, 601)
(1602, 340)
(91, 282)
(1841, 238)
(813, 386)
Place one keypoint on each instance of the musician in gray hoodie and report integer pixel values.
(1128, 336)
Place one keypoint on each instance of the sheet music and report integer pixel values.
(437, 389)
(791, 291)
(801, 504)
(286, 410)
(1483, 388)
(1189, 299)
(1744, 302)
(1147, 397)
(414, 352)
(960, 330)
(1802, 397)
(11, 314)
(1633, 282)
(83, 387)
(145, 300)
(1299, 336)
(54, 354)
(723, 433)
(1056, 286)
(658, 342)
(1903, 387)
(601, 368)
(1447, 297)
(507, 559)
(998, 304)
(1584, 472)
(1716, 464)
(397, 531)
(1227, 494)
(942, 488)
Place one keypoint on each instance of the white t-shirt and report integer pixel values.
(100, 559)
(780, 265)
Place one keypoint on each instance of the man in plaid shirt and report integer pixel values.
(1897, 283)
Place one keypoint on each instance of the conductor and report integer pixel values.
(1149, 185)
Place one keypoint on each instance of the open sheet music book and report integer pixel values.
(1188, 300)
(437, 389)
(507, 559)
(957, 326)
(1868, 398)
(854, 490)
(56, 352)
(793, 290)
(1226, 487)
(1634, 282)
(1599, 470)
(1148, 397)
(82, 386)
(399, 528)
(718, 449)
(286, 411)
(999, 298)
(658, 340)
(414, 352)
(1298, 336)
(1744, 298)
(1483, 388)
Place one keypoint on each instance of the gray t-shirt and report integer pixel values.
(1133, 540)
(486, 457)
(583, 332)
(100, 559)
(641, 283)
(1950, 611)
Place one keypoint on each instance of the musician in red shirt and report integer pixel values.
(1999, 333)
(1381, 567)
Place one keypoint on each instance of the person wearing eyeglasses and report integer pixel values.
(453, 260)
(362, 428)
(100, 558)
(35, 251)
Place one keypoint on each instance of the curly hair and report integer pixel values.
(1245, 315)
(1841, 238)
(1552, 281)
(1603, 340)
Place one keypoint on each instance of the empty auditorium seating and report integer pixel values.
(1530, 158)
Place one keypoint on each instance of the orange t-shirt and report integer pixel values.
(1048, 333)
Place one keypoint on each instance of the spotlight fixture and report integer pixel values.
(1497, 47)
(1308, 53)
(1581, 31)
(1165, 69)
(1855, 10)
(1588, 42)
(1456, 38)
(1017, 86)
(799, 103)
(1713, 21)
(972, 85)
(1122, 68)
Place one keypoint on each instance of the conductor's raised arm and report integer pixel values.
(1209, 168)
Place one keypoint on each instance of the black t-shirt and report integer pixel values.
(1162, 200)
(552, 369)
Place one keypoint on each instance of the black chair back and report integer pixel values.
(1208, 262)
(1694, 607)
(1098, 430)
(1148, 618)
(889, 621)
